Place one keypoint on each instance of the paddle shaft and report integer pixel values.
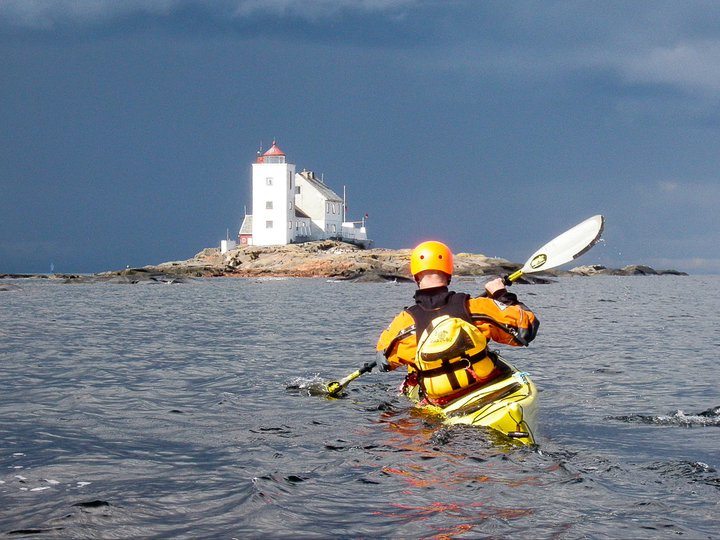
(336, 387)
(365, 369)
(507, 280)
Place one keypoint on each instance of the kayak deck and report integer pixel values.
(507, 404)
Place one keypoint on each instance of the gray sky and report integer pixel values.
(127, 129)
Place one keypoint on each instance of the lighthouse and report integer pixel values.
(273, 193)
(290, 207)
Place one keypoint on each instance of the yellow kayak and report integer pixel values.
(507, 404)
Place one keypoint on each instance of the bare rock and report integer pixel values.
(590, 270)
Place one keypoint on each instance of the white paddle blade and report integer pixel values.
(566, 247)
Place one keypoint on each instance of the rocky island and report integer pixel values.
(327, 259)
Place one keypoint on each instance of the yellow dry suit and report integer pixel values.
(442, 340)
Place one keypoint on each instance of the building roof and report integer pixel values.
(325, 191)
(274, 150)
(272, 155)
(246, 227)
(300, 214)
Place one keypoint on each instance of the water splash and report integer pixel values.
(313, 386)
(706, 418)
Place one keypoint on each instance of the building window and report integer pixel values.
(334, 228)
(268, 181)
(327, 207)
(297, 190)
(290, 205)
(269, 224)
(289, 224)
(268, 205)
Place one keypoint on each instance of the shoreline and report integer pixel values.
(329, 259)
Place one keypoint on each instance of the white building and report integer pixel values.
(290, 207)
(321, 204)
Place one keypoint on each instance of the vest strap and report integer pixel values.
(449, 367)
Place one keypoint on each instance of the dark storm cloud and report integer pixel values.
(663, 43)
(128, 127)
(348, 21)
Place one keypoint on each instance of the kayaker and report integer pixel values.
(442, 339)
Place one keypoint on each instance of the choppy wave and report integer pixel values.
(694, 471)
(706, 418)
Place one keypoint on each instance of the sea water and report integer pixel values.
(175, 411)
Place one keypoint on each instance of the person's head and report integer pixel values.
(431, 264)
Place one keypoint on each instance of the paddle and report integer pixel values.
(335, 387)
(562, 249)
(558, 251)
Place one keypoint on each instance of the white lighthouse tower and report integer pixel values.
(273, 196)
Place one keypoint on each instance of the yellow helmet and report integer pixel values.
(431, 255)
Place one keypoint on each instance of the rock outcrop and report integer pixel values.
(328, 259)
(631, 270)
